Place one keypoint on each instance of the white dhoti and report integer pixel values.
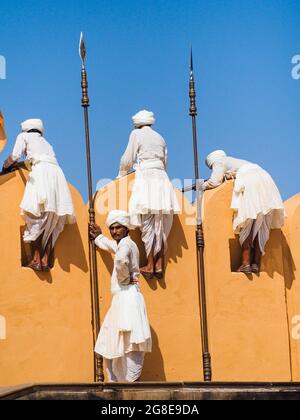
(125, 334)
(47, 203)
(257, 204)
(155, 231)
(125, 369)
(153, 203)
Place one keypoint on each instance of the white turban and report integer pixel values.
(214, 157)
(143, 118)
(119, 216)
(33, 124)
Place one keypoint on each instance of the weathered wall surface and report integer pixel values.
(248, 325)
(291, 254)
(45, 319)
(172, 303)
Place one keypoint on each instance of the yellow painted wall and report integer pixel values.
(172, 303)
(247, 314)
(46, 333)
(45, 319)
(291, 253)
(248, 323)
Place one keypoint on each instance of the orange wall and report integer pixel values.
(248, 322)
(47, 316)
(247, 314)
(291, 253)
(48, 333)
(172, 303)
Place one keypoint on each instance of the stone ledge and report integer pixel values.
(152, 391)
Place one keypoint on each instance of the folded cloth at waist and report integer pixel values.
(43, 158)
(150, 164)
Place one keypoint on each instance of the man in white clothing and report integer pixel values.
(153, 201)
(256, 202)
(47, 203)
(125, 334)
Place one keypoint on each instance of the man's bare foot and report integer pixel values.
(159, 274)
(35, 266)
(147, 272)
(245, 268)
(255, 268)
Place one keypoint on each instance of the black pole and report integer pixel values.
(207, 369)
(98, 360)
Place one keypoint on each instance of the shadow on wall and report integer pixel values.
(289, 264)
(7, 177)
(71, 240)
(153, 369)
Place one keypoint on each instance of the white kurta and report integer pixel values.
(47, 203)
(126, 327)
(256, 200)
(152, 192)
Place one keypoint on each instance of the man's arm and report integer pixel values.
(216, 178)
(129, 156)
(102, 241)
(18, 150)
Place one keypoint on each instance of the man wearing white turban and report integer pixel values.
(153, 201)
(125, 334)
(256, 202)
(47, 203)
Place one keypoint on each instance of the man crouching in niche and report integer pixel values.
(256, 202)
(47, 203)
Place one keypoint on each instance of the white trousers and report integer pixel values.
(48, 224)
(156, 229)
(125, 369)
(260, 227)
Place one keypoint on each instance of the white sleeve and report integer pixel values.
(106, 244)
(122, 260)
(217, 176)
(130, 155)
(166, 157)
(19, 148)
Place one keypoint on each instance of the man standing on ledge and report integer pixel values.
(256, 202)
(125, 334)
(153, 201)
(47, 203)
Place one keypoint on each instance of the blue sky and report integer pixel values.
(138, 57)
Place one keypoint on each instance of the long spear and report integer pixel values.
(207, 370)
(98, 361)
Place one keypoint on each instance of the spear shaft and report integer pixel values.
(98, 360)
(207, 369)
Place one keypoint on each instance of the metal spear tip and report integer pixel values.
(82, 49)
(191, 65)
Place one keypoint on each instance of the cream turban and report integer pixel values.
(143, 118)
(214, 157)
(119, 216)
(33, 124)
